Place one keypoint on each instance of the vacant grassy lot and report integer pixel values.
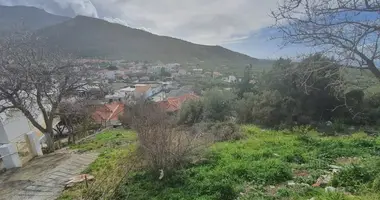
(115, 147)
(271, 165)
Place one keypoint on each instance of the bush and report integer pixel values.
(163, 147)
(218, 105)
(221, 131)
(299, 94)
(191, 112)
(351, 177)
(244, 108)
(267, 109)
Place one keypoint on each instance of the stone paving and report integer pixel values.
(48, 183)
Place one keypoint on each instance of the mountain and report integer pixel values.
(14, 18)
(90, 37)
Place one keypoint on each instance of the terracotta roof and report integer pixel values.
(174, 104)
(108, 112)
(142, 88)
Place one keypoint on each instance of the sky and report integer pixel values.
(240, 25)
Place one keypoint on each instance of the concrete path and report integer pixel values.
(44, 177)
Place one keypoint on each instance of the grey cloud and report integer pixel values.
(200, 21)
(59, 7)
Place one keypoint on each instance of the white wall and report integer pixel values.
(14, 127)
(3, 136)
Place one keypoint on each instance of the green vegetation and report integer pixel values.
(115, 148)
(311, 92)
(261, 166)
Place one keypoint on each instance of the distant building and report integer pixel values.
(181, 91)
(198, 71)
(144, 78)
(122, 95)
(174, 104)
(216, 74)
(108, 114)
(182, 72)
(230, 79)
(143, 91)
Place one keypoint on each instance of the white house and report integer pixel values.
(122, 95)
(230, 79)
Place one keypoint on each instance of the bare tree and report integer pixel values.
(35, 80)
(75, 115)
(347, 29)
(163, 146)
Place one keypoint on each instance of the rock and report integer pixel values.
(329, 123)
(335, 169)
(161, 174)
(330, 189)
(275, 154)
(322, 181)
(78, 179)
(291, 183)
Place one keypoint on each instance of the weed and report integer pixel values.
(351, 177)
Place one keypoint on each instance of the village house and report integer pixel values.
(108, 114)
(122, 95)
(230, 79)
(197, 71)
(174, 104)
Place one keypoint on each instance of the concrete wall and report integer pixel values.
(3, 136)
(14, 127)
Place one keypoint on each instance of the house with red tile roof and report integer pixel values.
(108, 114)
(174, 104)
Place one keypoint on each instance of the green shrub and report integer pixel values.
(334, 196)
(244, 108)
(376, 184)
(351, 177)
(283, 192)
(226, 131)
(218, 105)
(191, 112)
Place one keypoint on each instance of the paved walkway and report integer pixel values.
(44, 177)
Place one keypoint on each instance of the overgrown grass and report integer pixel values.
(116, 148)
(260, 167)
(106, 140)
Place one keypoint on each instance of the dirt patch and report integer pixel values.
(347, 160)
(301, 173)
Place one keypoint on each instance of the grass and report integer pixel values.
(115, 147)
(260, 167)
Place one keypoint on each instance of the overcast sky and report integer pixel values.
(236, 24)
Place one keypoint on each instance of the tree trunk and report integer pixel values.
(50, 142)
(372, 67)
